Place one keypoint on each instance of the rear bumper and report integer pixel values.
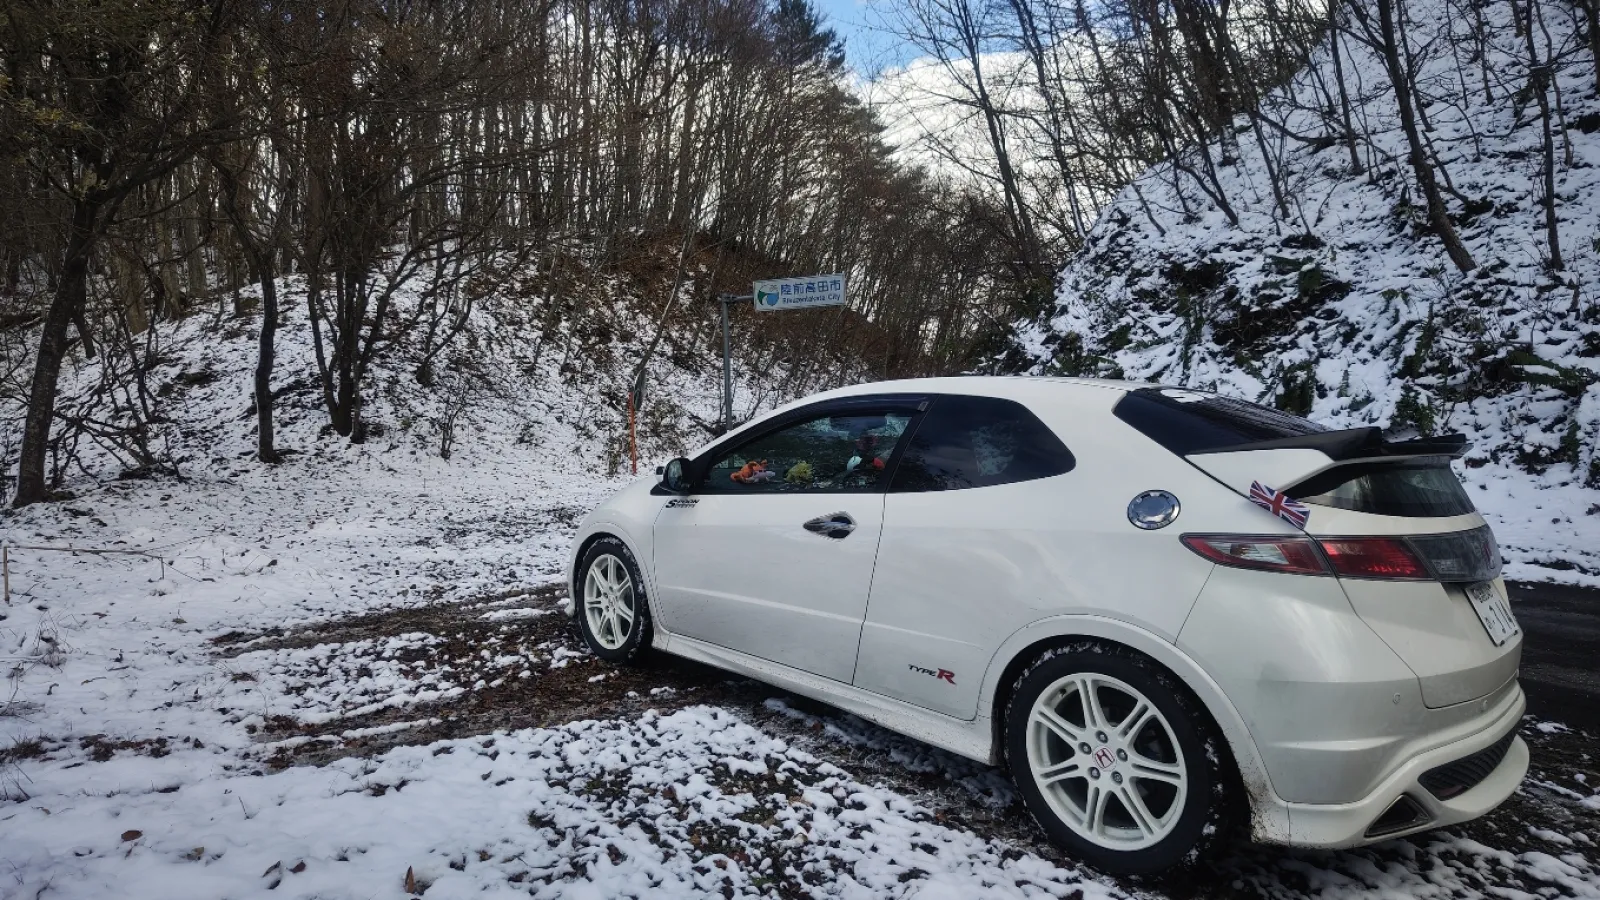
(1336, 720)
(1333, 826)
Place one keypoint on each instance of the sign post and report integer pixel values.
(727, 363)
(773, 295)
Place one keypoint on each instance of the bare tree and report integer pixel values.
(102, 101)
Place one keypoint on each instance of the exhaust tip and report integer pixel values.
(1403, 814)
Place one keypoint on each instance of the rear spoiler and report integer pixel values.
(1356, 443)
(1282, 463)
(1240, 443)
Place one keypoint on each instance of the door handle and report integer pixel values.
(834, 525)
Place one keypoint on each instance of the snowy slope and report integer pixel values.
(1348, 309)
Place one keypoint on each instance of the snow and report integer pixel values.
(661, 803)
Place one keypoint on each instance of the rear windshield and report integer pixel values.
(1186, 422)
(1415, 488)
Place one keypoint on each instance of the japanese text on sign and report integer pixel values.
(794, 293)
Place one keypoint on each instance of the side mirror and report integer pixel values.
(675, 476)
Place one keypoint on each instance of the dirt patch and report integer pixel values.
(103, 749)
(25, 748)
(468, 643)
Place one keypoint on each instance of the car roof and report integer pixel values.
(989, 385)
(1016, 387)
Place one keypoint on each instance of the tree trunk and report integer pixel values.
(1591, 18)
(71, 294)
(1539, 83)
(1344, 93)
(1400, 80)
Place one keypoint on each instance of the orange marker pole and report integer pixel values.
(633, 436)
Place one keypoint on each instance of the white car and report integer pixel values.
(1165, 610)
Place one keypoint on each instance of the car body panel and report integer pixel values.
(741, 571)
(1273, 468)
(1325, 698)
(1340, 825)
(1433, 627)
(973, 739)
(959, 571)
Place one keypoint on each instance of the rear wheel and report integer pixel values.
(1112, 759)
(612, 612)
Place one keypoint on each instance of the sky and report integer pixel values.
(867, 48)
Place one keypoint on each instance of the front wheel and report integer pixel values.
(1114, 761)
(612, 612)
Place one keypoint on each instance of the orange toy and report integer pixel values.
(751, 472)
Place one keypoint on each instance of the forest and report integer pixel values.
(164, 159)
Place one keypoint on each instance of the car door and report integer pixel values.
(960, 535)
(772, 552)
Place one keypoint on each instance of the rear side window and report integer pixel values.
(972, 442)
(1186, 422)
(1414, 489)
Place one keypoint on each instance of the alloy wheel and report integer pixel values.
(608, 601)
(1106, 761)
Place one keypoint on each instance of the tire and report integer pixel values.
(611, 608)
(1145, 761)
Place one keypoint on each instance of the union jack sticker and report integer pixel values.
(1280, 504)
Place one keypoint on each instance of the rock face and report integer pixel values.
(1342, 303)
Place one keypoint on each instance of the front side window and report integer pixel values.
(845, 452)
(971, 442)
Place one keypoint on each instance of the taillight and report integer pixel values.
(1268, 553)
(1374, 558)
(1460, 556)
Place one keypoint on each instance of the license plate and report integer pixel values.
(1493, 611)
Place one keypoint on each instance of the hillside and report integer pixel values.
(1349, 310)
(538, 364)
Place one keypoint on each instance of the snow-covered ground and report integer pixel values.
(345, 677)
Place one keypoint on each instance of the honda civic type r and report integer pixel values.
(1166, 611)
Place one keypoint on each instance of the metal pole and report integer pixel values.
(727, 368)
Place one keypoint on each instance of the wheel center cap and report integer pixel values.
(1105, 757)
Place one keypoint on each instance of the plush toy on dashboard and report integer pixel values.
(866, 454)
(800, 473)
(753, 472)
